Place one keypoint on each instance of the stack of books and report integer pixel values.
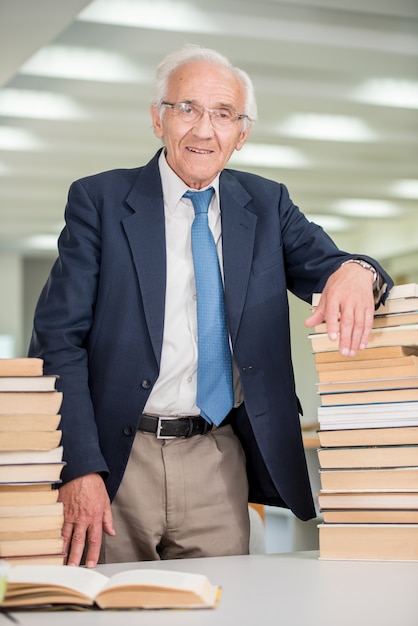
(368, 435)
(31, 518)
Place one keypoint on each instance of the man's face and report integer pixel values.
(198, 152)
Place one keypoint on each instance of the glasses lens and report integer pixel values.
(223, 116)
(188, 112)
(191, 113)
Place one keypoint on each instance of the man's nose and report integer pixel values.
(204, 126)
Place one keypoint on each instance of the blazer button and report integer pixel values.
(128, 430)
(146, 384)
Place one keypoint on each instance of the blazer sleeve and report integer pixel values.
(62, 324)
(311, 256)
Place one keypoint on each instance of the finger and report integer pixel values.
(108, 527)
(350, 337)
(95, 536)
(332, 317)
(347, 328)
(76, 548)
(368, 325)
(67, 533)
(317, 317)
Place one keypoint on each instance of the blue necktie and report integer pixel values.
(215, 394)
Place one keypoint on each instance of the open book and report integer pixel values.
(33, 586)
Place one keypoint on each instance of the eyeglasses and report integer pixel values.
(191, 113)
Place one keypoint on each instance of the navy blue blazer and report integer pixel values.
(100, 317)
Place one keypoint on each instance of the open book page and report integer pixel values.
(160, 587)
(136, 588)
(47, 579)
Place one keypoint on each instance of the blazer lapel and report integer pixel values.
(145, 230)
(238, 233)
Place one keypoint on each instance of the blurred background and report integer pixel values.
(337, 87)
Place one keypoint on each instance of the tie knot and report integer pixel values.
(200, 199)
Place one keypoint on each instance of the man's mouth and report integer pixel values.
(199, 151)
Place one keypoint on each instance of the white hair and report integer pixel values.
(191, 53)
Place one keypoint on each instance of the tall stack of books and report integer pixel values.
(31, 518)
(368, 433)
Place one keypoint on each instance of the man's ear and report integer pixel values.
(156, 122)
(242, 139)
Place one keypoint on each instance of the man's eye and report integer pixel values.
(223, 114)
(186, 108)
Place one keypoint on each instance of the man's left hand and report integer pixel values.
(347, 307)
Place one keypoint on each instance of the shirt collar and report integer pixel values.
(174, 188)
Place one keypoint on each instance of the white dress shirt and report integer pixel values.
(174, 393)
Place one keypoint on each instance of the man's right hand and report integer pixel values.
(87, 515)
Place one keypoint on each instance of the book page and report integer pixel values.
(85, 582)
(159, 579)
(11, 457)
(156, 589)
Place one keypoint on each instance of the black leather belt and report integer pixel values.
(171, 427)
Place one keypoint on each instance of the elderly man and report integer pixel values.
(170, 332)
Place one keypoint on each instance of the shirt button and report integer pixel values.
(190, 378)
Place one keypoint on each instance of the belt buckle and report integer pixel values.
(159, 427)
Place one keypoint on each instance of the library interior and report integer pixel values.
(336, 84)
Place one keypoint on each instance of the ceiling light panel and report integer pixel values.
(366, 207)
(13, 138)
(158, 14)
(331, 223)
(407, 189)
(322, 127)
(388, 92)
(39, 105)
(267, 155)
(83, 64)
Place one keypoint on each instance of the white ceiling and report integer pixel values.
(305, 57)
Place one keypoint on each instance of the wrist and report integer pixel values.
(378, 283)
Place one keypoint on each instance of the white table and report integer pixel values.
(294, 589)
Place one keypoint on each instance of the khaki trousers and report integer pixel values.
(181, 498)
